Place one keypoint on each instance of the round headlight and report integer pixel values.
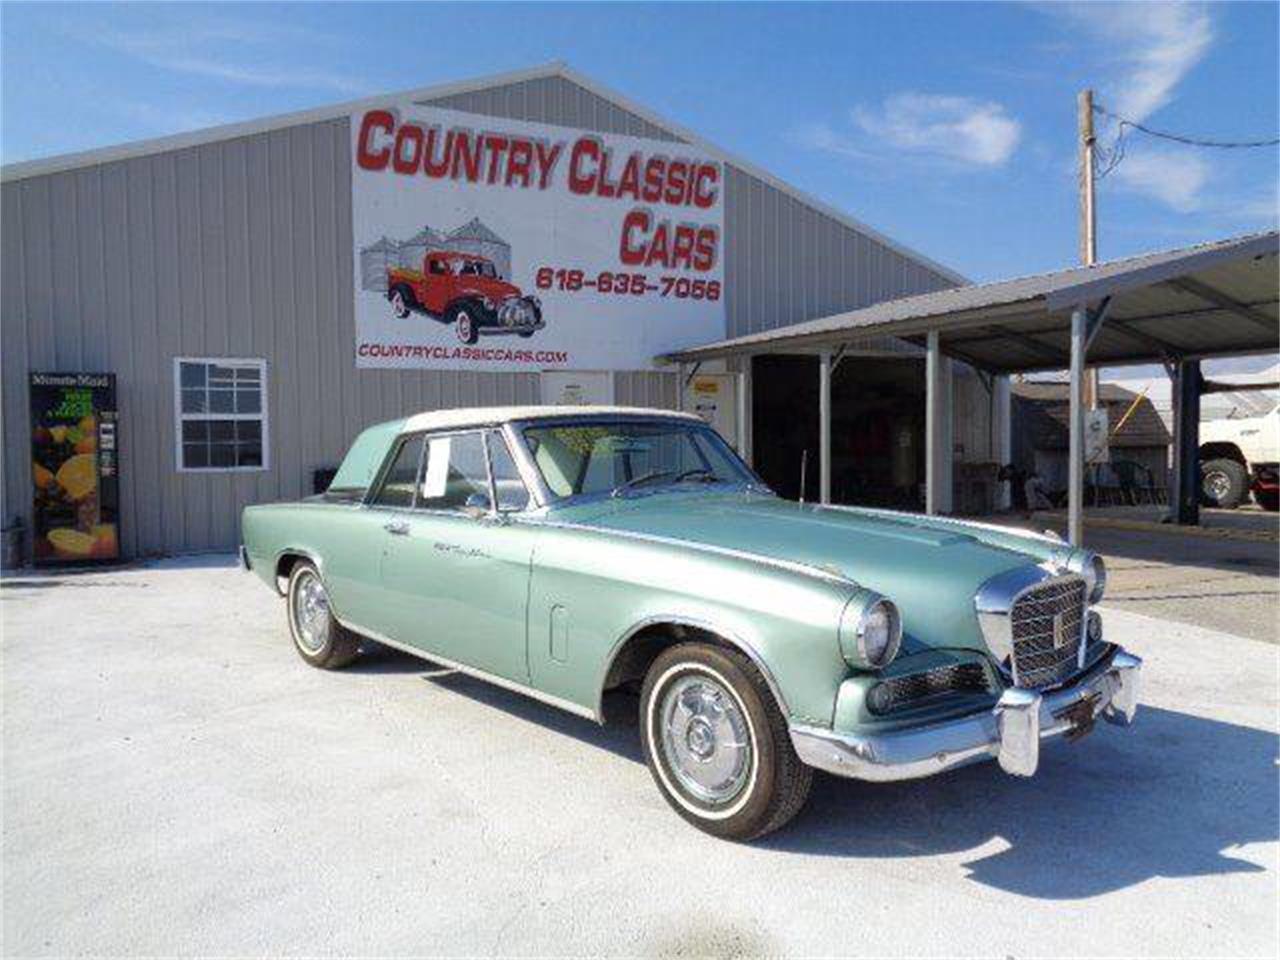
(870, 632)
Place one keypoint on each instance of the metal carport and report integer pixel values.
(1175, 307)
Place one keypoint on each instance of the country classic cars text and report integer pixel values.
(588, 166)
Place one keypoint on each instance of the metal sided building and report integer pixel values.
(550, 238)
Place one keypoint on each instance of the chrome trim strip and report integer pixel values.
(512, 685)
(728, 636)
(301, 552)
(990, 734)
(529, 472)
(792, 566)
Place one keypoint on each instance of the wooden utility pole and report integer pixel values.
(1088, 217)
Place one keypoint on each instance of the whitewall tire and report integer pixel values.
(717, 744)
(317, 635)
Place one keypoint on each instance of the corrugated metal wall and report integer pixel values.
(242, 248)
(234, 249)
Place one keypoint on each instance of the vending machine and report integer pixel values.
(75, 461)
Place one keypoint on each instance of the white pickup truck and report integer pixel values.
(1239, 456)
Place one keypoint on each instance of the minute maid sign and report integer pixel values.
(491, 244)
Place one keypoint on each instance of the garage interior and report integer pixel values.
(877, 428)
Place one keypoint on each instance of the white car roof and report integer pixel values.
(476, 416)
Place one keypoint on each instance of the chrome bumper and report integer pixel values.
(1011, 732)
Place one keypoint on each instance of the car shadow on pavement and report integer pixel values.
(618, 736)
(378, 658)
(1172, 796)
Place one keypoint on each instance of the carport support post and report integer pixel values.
(937, 429)
(1075, 463)
(824, 428)
(1186, 442)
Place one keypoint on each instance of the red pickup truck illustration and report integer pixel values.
(465, 290)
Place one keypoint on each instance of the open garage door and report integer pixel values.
(877, 428)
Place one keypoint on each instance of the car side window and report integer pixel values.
(398, 483)
(454, 475)
(511, 491)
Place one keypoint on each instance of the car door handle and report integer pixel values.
(399, 527)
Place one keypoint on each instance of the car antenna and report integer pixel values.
(804, 462)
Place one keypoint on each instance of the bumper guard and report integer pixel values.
(1010, 733)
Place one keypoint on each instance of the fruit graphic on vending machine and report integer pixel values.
(74, 467)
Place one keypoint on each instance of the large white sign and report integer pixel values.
(492, 244)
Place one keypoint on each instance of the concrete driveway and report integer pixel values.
(177, 781)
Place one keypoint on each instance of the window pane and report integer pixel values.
(193, 401)
(512, 494)
(595, 459)
(249, 454)
(195, 430)
(192, 375)
(248, 401)
(195, 455)
(455, 475)
(397, 485)
(212, 397)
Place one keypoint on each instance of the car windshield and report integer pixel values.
(478, 268)
(591, 457)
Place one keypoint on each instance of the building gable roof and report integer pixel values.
(555, 69)
(1047, 415)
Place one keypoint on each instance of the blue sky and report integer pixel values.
(948, 126)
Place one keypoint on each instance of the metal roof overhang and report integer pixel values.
(1213, 300)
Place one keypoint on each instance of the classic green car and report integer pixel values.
(570, 552)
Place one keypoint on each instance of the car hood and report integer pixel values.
(493, 289)
(930, 568)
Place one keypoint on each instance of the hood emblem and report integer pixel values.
(1061, 631)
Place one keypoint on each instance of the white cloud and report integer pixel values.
(226, 50)
(968, 131)
(259, 76)
(1173, 177)
(955, 128)
(1145, 51)
(822, 136)
(1150, 46)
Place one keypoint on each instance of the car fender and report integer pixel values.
(732, 637)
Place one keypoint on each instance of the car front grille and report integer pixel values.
(1047, 626)
(910, 690)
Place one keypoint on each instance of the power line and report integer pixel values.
(1108, 158)
(1190, 141)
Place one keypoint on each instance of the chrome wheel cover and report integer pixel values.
(1217, 484)
(310, 605)
(705, 738)
(464, 326)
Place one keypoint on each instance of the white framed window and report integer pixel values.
(220, 405)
